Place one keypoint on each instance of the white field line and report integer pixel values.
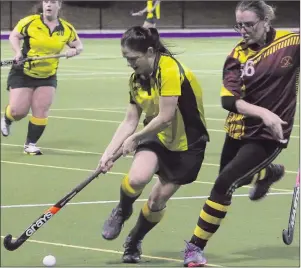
(138, 200)
(112, 173)
(118, 122)
(123, 112)
(107, 251)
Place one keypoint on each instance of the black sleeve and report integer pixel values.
(131, 99)
(228, 103)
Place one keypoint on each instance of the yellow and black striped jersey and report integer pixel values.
(153, 14)
(39, 41)
(171, 78)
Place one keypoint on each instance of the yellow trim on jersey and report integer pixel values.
(150, 13)
(173, 79)
(39, 41)
(225, 92)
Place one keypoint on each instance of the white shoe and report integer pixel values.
(32, 149)
(5, 128)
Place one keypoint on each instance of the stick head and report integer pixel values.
(11, 245)
(287, 237)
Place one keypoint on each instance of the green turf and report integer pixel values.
(91, 97)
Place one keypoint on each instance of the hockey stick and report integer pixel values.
(11, 245)
(288, 234)
(11, 62)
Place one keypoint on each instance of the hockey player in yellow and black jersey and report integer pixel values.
(153, 13)
(32, 85)
(260, 82)
(172, 143)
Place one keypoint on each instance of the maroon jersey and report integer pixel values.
(268, 77)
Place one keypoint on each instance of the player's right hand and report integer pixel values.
(105, 163)
(18, 57)
(274, 123)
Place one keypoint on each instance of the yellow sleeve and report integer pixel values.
(73, 34)
(21, 25)
(170, 81)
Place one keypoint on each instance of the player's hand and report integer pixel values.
(71, 52)
(129, 145)
(274, 123)
(105, 163)
(18, 57)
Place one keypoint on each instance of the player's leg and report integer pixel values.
(251, 158)
(263, 179)
(175, 169)
(41, 101)
(150, 215)
(18, 107)
(144, 166)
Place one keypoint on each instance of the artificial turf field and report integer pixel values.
(90, 103)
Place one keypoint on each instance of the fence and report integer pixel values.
(175, 14)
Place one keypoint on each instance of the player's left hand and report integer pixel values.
(130, 145)
(71, 52)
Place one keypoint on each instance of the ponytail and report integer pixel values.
(140, 39)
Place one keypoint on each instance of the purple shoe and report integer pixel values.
(194, 256)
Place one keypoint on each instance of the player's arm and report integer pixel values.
(75, 44)
(231, 93)
(127, 127)
(168, 101)
(155, 5)
(17, 35)
(231, 98)
(167, 110)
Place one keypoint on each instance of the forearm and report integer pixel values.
(124, 130)
(153, 127)
(248, 109)
(78, 45)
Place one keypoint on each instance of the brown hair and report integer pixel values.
(260, 8)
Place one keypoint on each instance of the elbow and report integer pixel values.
(229, 103)
(79, 50)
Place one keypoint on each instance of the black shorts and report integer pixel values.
(17, 79)
(178, 167)
(152, 20)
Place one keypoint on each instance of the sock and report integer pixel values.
(147, 220)
(128, 195)
(8, 116)
(36, 127)
(209, 221)
(261, 175)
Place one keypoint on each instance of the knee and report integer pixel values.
(41, 112)
(18, 114)
(136, 182)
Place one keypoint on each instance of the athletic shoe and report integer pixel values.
(261, 187)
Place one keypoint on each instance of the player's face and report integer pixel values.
(51, 8)
(138, 61)
(250, 26)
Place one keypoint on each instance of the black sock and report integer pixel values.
(36, 127)
(147, 220)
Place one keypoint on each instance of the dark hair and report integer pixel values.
(140, 39)
(260, 8)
